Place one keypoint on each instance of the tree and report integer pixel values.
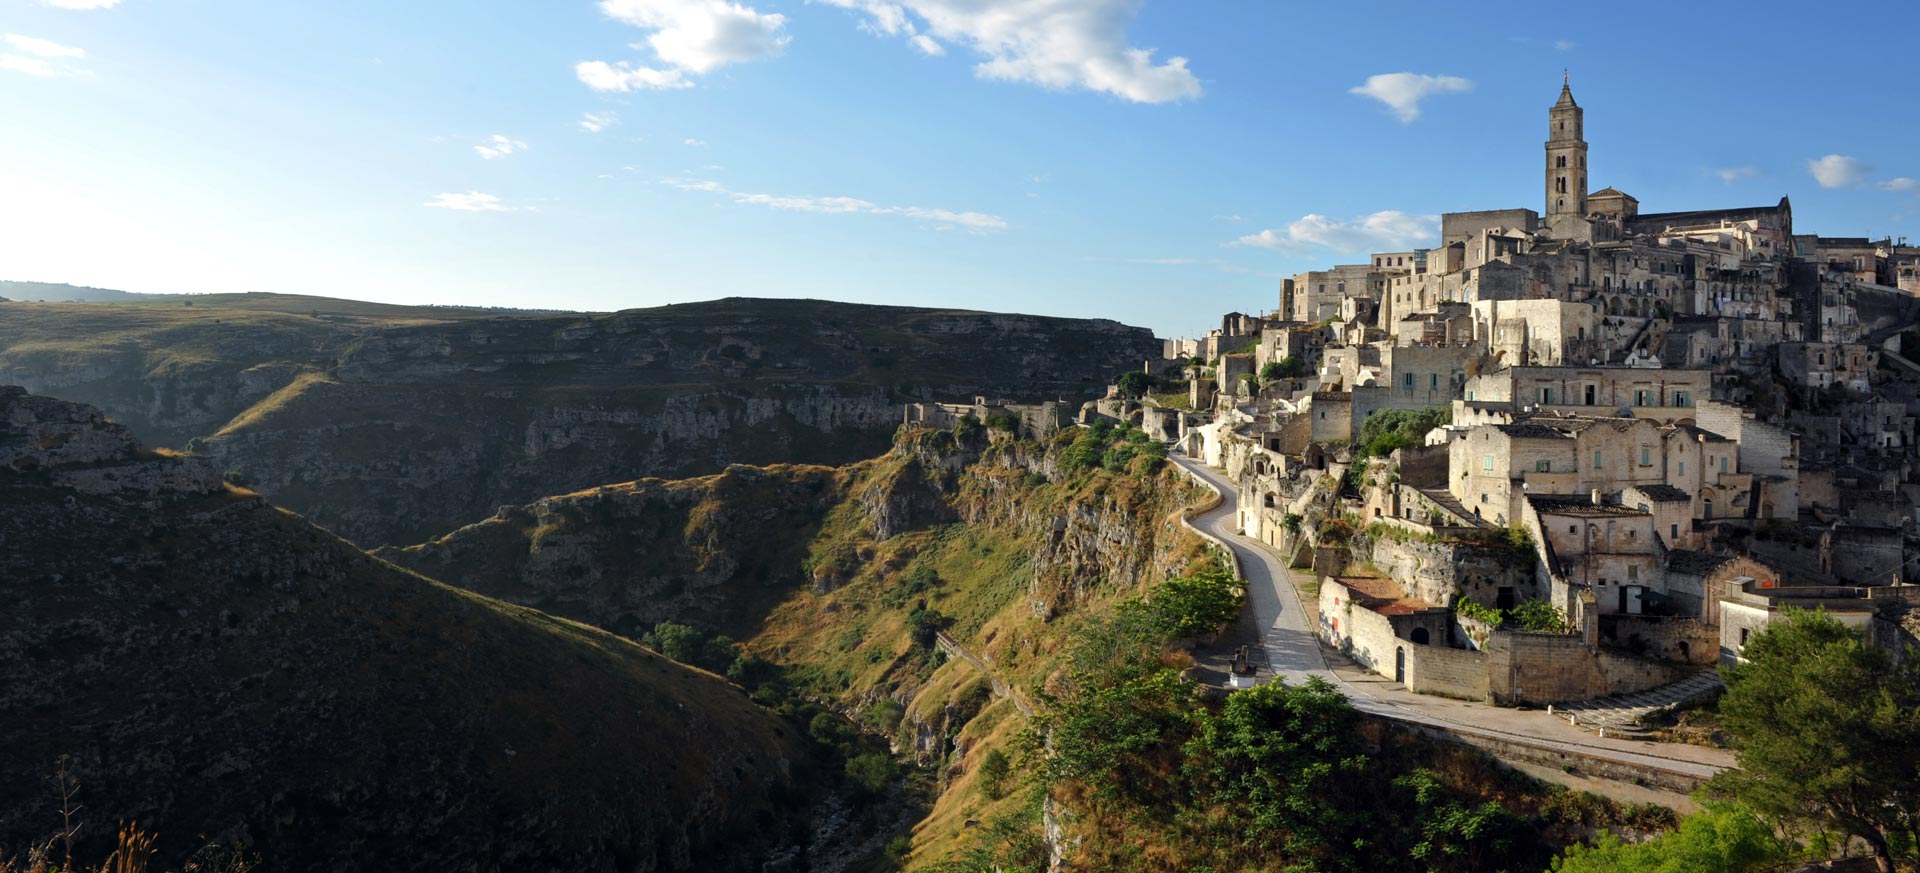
(1285, 368)
(1134, 383)
(1285, 758)
(1188, 606)
(1389, 430)
(1722, 838)
(994, 769)
(1826, 730)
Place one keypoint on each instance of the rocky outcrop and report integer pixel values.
(215, 668)
(713, 550)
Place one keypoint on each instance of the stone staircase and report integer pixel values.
(1463, 517)
(1624, 714)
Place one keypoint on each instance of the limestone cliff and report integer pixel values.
(392, 426)
(216, 668)
(417, 430)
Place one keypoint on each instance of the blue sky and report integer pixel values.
(1016, 155)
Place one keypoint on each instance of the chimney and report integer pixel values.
(1596, 497)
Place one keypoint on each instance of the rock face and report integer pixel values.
(415, 431)
(391, 432)
(213, 667)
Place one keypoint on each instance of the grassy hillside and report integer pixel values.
(216, 668)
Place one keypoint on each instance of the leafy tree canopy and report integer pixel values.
(1826, 728)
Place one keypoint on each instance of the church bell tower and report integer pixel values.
(1566, 159)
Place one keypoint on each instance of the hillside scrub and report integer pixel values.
(1721, 838)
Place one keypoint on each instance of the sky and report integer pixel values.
(1155, 162)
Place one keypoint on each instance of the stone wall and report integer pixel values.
(1359, 633)
(1678, 640)
(1456, 673)
(1551, 668)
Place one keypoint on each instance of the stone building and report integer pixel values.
(1657, 393)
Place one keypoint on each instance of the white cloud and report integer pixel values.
(1390, 230)
(30, 66)
(1564, 45)
(39, 57)
(696, 143)
(1731, 175)
(1402, 92)
(978, 222)
(1061, 44)
(594, 122)
(1839, 171)
(44, 48)
(1901, 184)
(82, 4)
(471, 201)
(927, 45)
(498, 146)
(1234, 217)
(688, 38)
(602, 76)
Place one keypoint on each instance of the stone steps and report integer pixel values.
(1625, 714)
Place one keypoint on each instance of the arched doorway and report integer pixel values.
(1419, 636)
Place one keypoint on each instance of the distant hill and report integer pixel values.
(391, 425)
(215, 668)
(49, 292)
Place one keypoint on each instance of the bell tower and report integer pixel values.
(1566, 158)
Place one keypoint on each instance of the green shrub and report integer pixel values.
(872, 771)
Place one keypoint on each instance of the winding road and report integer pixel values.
(1285, 630)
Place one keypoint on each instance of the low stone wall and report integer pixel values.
(1456, 673)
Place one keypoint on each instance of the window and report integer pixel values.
(1743, 637)
(1680, 398)
(1408, 380)
(1486, 462)
(1673, 530)
(1546, 395)
(1633, 570)
(1683, 468)
(1433, 380)
(1646, 456)
(1597, 462)
(1543, 466)
(1723, 465)
(1573, 528)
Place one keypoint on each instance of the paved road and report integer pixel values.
(1285, 628)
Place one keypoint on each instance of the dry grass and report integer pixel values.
(132, 853)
